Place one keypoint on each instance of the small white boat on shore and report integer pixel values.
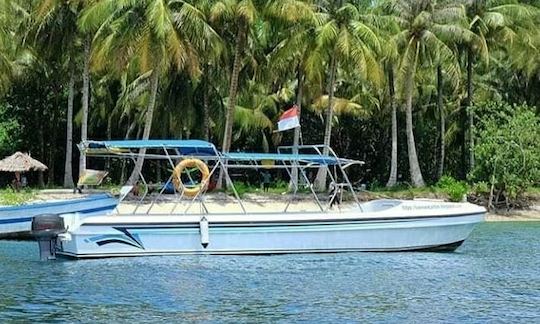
(18, 218)
(379, 225)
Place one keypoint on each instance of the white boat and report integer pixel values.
(17, 219)
(379, 225)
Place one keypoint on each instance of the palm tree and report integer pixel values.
(346, 40)
(525, 56)
(85, 99)
(299, 53)
(387, 26)
(255, 111)
(490, 21)
(392, 179)
(210, 47)
(424, 29)
(141, 35)
(56, 35)
(240, 16)
(6, 46)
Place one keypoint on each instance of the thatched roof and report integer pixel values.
(21, 162)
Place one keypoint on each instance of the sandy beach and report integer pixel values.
(220, 202)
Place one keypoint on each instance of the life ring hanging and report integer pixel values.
(190, 163)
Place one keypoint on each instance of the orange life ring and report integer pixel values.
(190, 163)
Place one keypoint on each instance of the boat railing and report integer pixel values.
(288, 158)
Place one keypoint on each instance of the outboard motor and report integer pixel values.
(45, 229)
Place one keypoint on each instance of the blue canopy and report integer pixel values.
(186, 147)
(308, 158)
(203, 148)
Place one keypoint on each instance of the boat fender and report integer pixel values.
(45, 229)
(190, 163)
(205, 237)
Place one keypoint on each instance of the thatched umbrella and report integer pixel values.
(20, 162)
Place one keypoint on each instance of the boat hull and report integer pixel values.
(303, 235)
(17, 219)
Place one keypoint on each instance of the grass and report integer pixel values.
(11, 197)
(405, 192)
(242, 188)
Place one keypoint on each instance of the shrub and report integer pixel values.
(453, 188)
(508, 150)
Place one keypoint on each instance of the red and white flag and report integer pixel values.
(289, 119)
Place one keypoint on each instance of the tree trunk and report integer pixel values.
(392, 180)
(470, 115)
(159, 164)
(41, 179)
(154, 81)
(320, 181)
(85, 100)
(233, 89)
(440, 84)
(52, 152)
(414, 166)
(51, 165)
(297, 130)
(128, 133)
(109, 137)
(68, 170)
(206, 105)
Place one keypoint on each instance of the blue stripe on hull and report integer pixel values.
(25, 207)
(83, 211)
(446, 247)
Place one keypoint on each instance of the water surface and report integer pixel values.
(493, 277)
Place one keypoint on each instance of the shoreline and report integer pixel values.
(258, 201)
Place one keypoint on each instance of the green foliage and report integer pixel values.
(11, 197)
(9, 131)
(508, 148)
(276, 187)
(453, 188)
(285, 49)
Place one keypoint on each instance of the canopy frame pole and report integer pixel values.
(295, 183)
(166, 183)
(204, 188)
(302, 171)
(177, 201)
(312, 190)
(223, 164)
(145, 188)
(334, 180)
(229, 180)
(177, 198)
(347, 181)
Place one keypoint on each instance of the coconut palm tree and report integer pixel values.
(299, 53)
(345, 39)
(6, 46)
(526, 56)
(58, 19)
(387, 25)
(14, 55)
(492, 21)
(140, 35)
(239, 16)
(210, 48)
(424, 29)
(55, 22)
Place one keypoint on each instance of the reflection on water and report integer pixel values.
(494, 276)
